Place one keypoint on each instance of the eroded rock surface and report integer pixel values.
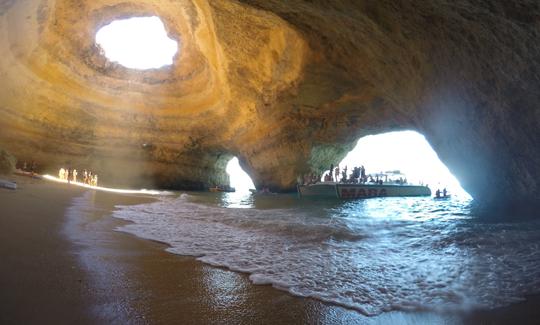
(287, 86)
(7, 163)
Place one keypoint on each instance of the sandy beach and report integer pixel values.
(63, 263)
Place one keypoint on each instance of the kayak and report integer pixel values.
(447, 196)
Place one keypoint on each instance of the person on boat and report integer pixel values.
(69, 174)
(327, 177)
(61, 173)
(331, 171)
(445, 193)
(438, 193)
(355, 174)
(336, 173)
(75, 175)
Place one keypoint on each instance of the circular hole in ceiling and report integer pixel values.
(137, 43)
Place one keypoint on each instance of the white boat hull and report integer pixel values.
(359, 191)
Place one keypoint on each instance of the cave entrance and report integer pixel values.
(137, 43)
(239, 179)
(406, 151)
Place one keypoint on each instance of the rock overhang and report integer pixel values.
(280, 85)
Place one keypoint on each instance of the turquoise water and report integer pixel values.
(371, 255)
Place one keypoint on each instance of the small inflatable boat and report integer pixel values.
(8, 184)
(447, 196)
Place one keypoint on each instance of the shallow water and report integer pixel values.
(372, 255)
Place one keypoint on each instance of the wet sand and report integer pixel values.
(65, 264)
(40, 278)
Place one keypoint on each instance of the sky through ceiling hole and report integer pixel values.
(137, 43)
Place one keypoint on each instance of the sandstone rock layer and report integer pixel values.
(287, 86)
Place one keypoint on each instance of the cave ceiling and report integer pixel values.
(287, 86)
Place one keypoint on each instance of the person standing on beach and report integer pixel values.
(33, 167)
(69, 174)
(85, 176)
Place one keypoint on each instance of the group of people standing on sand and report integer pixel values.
(70, 175)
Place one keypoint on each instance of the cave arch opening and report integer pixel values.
(137, 43)
(238, 178)
(407, 152)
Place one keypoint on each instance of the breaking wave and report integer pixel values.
(372, 255)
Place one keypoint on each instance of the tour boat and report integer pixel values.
(359, 191)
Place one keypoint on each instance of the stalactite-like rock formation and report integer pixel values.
(287, 86)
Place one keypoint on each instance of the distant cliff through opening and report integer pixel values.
(239, 179)
(137, 43)
(404, 151)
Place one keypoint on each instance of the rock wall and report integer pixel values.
(287, 86)
(7, 163)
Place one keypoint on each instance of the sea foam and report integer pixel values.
(372, 256)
